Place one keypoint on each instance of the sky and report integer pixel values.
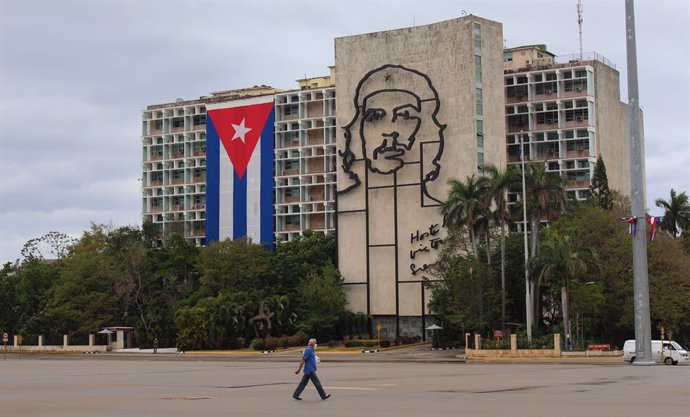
(75, 75)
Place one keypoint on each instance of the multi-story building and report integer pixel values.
(174, 163)
(568, 112)
(305, 152)
(174, 168)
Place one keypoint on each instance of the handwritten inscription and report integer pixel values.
(427, 241)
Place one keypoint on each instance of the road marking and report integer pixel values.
(329, 388)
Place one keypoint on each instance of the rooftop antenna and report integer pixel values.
(579, 23)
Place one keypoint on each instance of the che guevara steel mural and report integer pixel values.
(392, 150)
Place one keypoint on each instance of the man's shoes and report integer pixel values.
(326, 397)
(297, 398)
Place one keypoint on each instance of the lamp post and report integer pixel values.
(528, 292)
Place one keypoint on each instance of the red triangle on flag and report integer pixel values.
(239, 129)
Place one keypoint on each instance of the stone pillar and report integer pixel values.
(467, 341)
(477, 341)
(92, 340)
(40, 340)
(16, 340)
(65, 340)
(513, 343)
(557, 344)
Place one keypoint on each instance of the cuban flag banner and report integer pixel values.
(654, 222)
(239, 171)
(632, 221)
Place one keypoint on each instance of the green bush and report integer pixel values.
(258, 344)
(385, 343)
(353, 343)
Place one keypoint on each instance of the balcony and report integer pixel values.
(195, 233)
(176, 207)
(579, 153)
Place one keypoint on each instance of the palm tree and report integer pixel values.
(545, 195)
(559, 261)
(676, 213)
(463, 207)
(498, 182)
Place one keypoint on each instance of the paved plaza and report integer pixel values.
(182, 385)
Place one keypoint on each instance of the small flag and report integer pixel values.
(654, 222)
(632, 221)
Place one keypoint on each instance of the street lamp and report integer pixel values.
(528, 293)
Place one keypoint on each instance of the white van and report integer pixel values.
(672, 352)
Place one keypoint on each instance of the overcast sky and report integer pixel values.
(75, 75)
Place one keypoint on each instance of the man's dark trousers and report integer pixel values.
(305, 380)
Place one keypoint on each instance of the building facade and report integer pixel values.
(305, 159)
(418, 106)
(567, 112)
(173, 177)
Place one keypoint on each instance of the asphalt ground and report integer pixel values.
(435, 384)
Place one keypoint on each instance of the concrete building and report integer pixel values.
(419, 106)
(568, 111)
(305, 133)
(174, 168)
(174, 162)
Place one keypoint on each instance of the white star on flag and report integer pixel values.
(240, 130)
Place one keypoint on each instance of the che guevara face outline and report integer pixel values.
(388, 128)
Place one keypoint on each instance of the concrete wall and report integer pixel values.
(612, 124)
(389, 221)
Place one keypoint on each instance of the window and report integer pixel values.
(480, 106)
(476, 30)
(478, 68)
(199, 120)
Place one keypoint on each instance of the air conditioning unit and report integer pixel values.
(580, 148)
(579, 118)
(549, 91)
(578, 89)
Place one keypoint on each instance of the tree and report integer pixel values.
(499, 182)
(237, 265)
(559, 261)
(464, 297)
(321, 302)
(545, 201)
(464, 206)
(600, 195)
(676, 213)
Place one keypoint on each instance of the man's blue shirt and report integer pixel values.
(309, 360)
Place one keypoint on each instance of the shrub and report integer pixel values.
(258, 344)
(368, 343)
(353, 343)
(332, 344)
(294, 341)
(284, 341)
(302, 338)
(385, 343)
(271, 342)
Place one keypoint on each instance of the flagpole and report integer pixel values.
(643, 332)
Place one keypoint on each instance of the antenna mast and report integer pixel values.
(579, 23)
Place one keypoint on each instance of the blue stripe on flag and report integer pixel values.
(239, 206)
(212, 182)
(267, 138)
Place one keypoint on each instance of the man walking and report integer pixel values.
(309, 363)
